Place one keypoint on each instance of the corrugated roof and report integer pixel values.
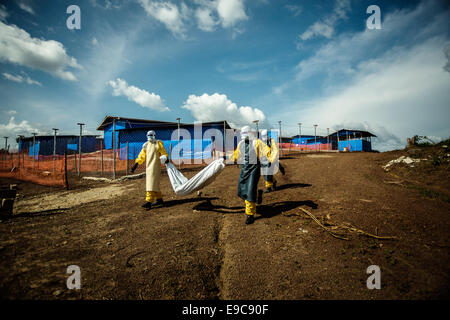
(109, 119)
(364, 133)
(58, 136)
(154, 124)
(303, 136)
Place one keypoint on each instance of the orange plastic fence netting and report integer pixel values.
(102, 162)
(46, 171)
(307, 147)
(98, 162)
(43, 170)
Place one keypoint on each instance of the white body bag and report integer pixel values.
(183, 186)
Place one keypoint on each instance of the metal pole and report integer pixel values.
(315, 137)
(281, 147)
(65, 169)
(18, 151)
(127, 159)
(320, 145)
(300, 136)
(34, 149)
(6, 146)
(54, 149)
(337, 135)
(101, 148)
(179, 147)
(114, 148)
(3, 158)
(328, 139)
(79, 148)
(348, 142)
(224, 135)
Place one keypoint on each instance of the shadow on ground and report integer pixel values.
(51, 212)
(265, 210)
(171, 203)
(292, 186)
(274, 209)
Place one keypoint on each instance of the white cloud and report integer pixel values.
(341, 56)
(20, 79)
(407, 92)
(106, 61)
(208, 14)
(325, 27)
(205, 19)
(12, 129)
(231, 12)
(392, 82)
(139, 96)
(3, 13)
(318, 29)
(447, 55)
(12, 77)
(47, 55)
(218, 107)
(296, 10)
(26, 6)
(107, 4)
(168, 14)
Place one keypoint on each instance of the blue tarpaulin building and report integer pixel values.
(111, 124)
(350, 140)
(342, 140)
(303, 140)
(43, 145)
(134, 133)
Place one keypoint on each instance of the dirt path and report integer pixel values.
(198, 247)
(67, 199)
(286, 256)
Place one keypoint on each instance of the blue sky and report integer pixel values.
(313, 62)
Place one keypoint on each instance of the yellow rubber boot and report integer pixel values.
(153, 199)
(153, 196)
(250, 210)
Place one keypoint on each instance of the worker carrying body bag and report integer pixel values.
(183, 186)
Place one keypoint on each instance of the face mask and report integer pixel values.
(264, 135)
(151, 137)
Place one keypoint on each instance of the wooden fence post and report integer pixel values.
(127, 159)
(101, 148)
(65, 169)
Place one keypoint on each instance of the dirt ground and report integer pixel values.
(198, 246)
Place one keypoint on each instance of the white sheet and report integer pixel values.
(183, 186)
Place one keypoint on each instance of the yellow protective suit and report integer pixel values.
(150, 153)
(250, 172)
(269, 178)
